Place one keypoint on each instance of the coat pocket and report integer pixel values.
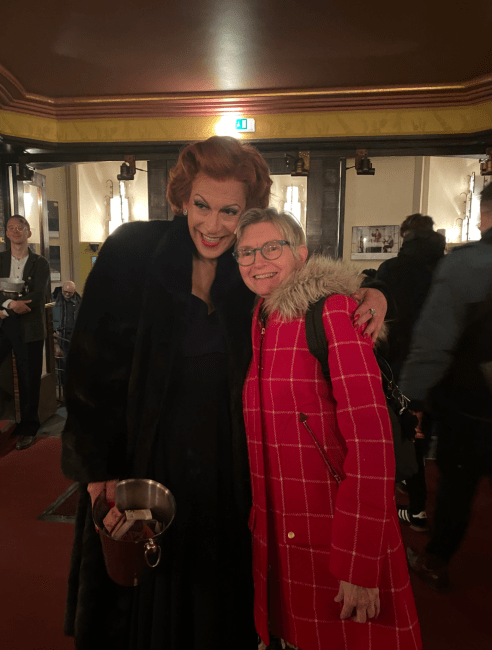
(309, 531)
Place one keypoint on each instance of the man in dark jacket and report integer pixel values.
(22, 327)
(446, 370)
(409, 278)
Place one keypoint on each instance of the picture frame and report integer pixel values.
(375, 242)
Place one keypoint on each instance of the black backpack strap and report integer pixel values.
(316, 336)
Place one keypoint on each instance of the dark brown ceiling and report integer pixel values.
(102, 47)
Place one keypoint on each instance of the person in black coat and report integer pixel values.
(155, 371)
(449, 371)
(409, 278)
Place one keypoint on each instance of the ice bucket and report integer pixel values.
(12, 290)
(129, 563)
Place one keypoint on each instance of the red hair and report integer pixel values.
(220, 157)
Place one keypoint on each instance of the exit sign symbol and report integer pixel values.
(245, 125)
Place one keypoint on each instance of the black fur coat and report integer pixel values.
(117, 375)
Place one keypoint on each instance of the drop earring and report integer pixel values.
(185, 212)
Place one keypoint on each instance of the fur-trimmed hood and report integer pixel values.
(318, 277)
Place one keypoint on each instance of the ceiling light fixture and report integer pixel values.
(128, 169)
(486, 164)
(363, 165)
(25, 173)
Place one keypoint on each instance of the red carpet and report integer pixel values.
(458, 620)
(35, 555)
(7, 441)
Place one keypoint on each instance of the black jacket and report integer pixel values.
(453, 337)
(36, 277)
(409, 277)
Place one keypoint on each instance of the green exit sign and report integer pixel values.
(245, 125)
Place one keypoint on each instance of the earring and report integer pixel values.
(185, 212)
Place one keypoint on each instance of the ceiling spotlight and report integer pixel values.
(486, 164)
(301, 163)
(25, 173)
(363, 165)
(127, 169)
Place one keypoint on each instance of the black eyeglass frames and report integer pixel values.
(271, 250)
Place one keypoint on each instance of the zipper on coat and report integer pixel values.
(303, 419)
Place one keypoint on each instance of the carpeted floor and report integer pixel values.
(458, 620)
(35, 554)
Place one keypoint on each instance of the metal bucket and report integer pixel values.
(128, 563)
(12, 290)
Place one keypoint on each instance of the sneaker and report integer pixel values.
(416, 522)
(429, 568)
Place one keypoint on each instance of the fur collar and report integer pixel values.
(319, 276)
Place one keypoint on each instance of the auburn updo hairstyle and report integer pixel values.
(220, 157)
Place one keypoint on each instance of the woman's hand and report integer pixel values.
(370, 299)
(95, 489)
(364, 600)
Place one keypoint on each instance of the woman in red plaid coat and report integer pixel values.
(329, 565)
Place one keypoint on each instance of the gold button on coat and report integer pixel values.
(291, 535)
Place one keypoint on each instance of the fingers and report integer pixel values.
(374, 327)
(347, 610)
(339, 597)
(360, 615)
(359, 603)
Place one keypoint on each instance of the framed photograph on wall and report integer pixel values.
(375, 242)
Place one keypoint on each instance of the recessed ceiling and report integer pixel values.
(100, 47)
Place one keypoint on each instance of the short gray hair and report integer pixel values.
(285, 222)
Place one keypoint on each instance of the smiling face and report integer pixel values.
(214, 208)
(263, 276)
(17, 231)
(68, 290)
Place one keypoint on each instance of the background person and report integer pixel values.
(155, 373)
(23, 328)
(449, 371)
(328, 560)
(65, 311)
(409, 278)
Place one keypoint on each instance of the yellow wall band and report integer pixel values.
(332, 124)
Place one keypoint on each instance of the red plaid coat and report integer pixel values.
(308, 534)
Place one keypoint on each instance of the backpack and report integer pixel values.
(403, 422)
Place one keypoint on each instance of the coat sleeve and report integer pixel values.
(365, 499)
(101, 354)
(439, 328)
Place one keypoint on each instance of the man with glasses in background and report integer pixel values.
(22, 322)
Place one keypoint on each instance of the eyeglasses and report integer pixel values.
(15, 228)
(272, 250)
